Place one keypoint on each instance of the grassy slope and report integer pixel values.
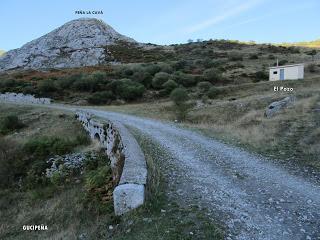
(1, 52)
(292, 135)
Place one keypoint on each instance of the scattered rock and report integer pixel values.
(276, 107)
(69, 162)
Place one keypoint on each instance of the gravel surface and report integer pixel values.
(255, 198)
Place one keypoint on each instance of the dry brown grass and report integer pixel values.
(41, 122)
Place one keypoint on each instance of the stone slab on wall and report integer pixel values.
(127, 197)
(127, 160)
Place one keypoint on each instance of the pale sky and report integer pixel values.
(167, 21)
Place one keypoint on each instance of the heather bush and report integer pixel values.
(159, 79)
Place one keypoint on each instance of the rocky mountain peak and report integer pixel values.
(80, 42)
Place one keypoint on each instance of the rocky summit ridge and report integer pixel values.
(80, 42)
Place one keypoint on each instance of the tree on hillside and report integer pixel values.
(180, 97)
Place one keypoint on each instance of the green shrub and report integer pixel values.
(261, 75)
(42, 147)
(212, 75)
(143, 77)
(165, 67)
(35, 176)
(217, 63)
(186, 80)
(159, 79)
(281, 62)
(45, 146)
(101, 97)
(179, 65)
(65, 83)
(98, 76)
(293, 50)
(214, 92)
(11, 162)
(271, 57)
(204, 86)
(253, 56)
(312, 68)
(97, 178)
(85, 83)
(46, 86)
(8, 83)
(169, 86)
(82, 138)
(93, 163)
(29, 90)
(312, 53)
(180, 98)
(207, 62)
(58, 178)
(10, 123)
(127, 89)
(153, 69)
(90, 83)
(235, 57)
(128, 72)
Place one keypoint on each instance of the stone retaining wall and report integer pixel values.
(22, 98)
(127, 160)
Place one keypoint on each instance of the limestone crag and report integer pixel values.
(22, 98)
(81, 42)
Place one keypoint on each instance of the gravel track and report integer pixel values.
(255, 198)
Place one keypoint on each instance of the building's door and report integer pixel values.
(281, 74)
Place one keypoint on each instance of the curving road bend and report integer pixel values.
(255, 198)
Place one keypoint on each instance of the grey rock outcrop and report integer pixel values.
(23, 99)
(276, 107)
(81, 42)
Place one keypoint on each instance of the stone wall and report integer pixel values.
(127, 160)
(22, 98)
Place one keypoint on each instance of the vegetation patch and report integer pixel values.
(10, 123)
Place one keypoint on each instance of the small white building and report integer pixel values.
(287, 72)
